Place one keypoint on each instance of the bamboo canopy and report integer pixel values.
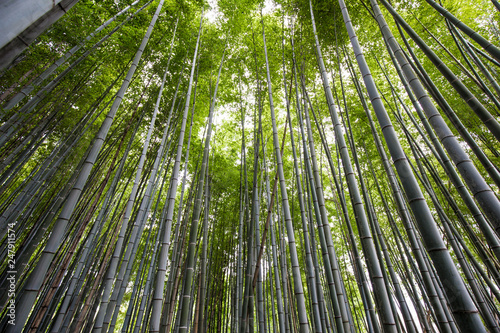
(250, 166)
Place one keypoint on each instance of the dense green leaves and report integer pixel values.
(44, 146)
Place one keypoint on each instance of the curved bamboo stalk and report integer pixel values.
(489, 47)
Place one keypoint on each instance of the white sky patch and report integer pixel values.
(213, 13)
(269, 6)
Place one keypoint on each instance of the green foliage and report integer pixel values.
(237, 31)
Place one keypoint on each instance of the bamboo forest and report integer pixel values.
(246, 166)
